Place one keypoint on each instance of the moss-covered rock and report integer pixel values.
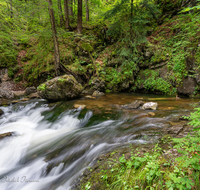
(60, 88)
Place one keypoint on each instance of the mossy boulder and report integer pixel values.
(60, 88)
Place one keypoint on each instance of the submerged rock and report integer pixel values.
(97, 93)
(6, 94)
(60, 88)
(151, 114)
(150, 106)
(134, 105)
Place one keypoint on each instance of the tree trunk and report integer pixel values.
(55, 40)
(131, 19)
(70, 7)
(87, 10)
(66, 15)
(79, 21)
(60, 13)
(11, 10)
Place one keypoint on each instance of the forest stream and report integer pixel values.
(53, 143)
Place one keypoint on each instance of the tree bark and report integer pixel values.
(66, 14)
(131, 19)
(70, 7)
(60, 13)
(79, 21)
(87, 10)
(55, 40)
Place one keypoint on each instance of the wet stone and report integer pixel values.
(2, 136)
(150, 106)
(97, 93)
(151, 114)
(1, 112)
(79, 106)
(175, 129)
(30, 90)
(134, 105)
(90, 97)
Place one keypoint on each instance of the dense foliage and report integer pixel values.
(119, 44)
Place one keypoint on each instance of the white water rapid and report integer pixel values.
(49, 148)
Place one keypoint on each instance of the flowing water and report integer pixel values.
(52, 143)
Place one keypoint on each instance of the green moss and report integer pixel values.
(42, 87)
(61, 79)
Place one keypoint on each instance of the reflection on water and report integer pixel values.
(53, 143)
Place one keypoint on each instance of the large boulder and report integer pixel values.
(188, 86)
(7, 94)
(60, 88)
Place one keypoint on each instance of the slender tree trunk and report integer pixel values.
(55, 40)
(66, 14)
(11, 10)
(87, 10)
(131, 19)
(60, 13)
(70, 7)
(79, 21)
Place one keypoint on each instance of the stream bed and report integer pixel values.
(53, 143)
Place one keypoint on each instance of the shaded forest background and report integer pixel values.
(124, 45)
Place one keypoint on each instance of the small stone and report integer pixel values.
(151, 114)
(134, 105)
(15, 101)
(79, 106)
(5, 78)
(30, 90)
(34, 95)
(90, 97)
(5, 135)
(97, 93)
(147, 54)
(150, 106)
(25, 99)
(171, 152)
(19, 93)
